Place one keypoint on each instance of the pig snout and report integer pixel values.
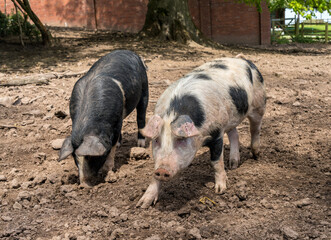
(162, 174)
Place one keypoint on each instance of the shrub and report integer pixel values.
(9, 26)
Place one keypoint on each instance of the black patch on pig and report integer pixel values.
(215, 144)
(239, 99)
(252, 65)
(219, 66)
(202, 76)
(188, 105)
(249, 74)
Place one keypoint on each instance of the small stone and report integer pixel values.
(43, 201)
(241, 194)
(210, 185)
(27, 185)
(17, 206)
(57, 143)
(24, 195)
(116, 234)
(6, 101)
(14, 184)
(124, 217)
(40, 179)
(296, 104)
(184, 212)
(40, 155)
(6, 218)
(180, 229)
(3, 178)
(194, 233)
(138, 153)
(114, 212)
(67, 188)
(265, 203)
(61, 114)
(154, 237)
(73, 195)
(101, 213)
(303, 202)
(289, 233)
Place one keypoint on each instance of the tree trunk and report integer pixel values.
(45, 34)
(171, 20)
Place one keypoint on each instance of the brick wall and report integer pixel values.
(227, 22)
(221, 20)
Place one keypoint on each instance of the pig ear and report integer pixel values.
(66, 149)
(153, 127)
(183, 126)
(91, 146)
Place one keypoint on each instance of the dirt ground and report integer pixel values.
(285, 194)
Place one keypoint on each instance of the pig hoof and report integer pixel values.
(233, 163)
(219, 189)
(85, 185)
(146, 201)
(141, 142)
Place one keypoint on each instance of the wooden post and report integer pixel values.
(326, 32)
(297, 22)
(273, 30)
(302, 29)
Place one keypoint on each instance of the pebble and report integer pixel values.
(194, 233)
(6, 101)
(17, 206)
(116, 233)
(24, 195)
(14, 184)
(154, 237)
(101, 213)
(180, 229)
(184, 212)
(138, 153)
(40, 179)
(61, 114)
(114, 212)
(289, 233)
(3, 178)
(210, 185)
(57, 143)
(303, 202)
(27, 185)
(6, 218)
(67, 188)
(296, 104)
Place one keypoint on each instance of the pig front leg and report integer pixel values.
(234, 148)
(151, 195)
(217, 160)
(108, 165)
(141, 116)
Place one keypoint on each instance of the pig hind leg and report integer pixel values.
(141, 117)
(234, 148)
(255, 120)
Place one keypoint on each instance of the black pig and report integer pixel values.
(114, 86)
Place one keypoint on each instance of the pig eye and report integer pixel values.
(157, 141)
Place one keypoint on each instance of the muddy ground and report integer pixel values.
(285, 194)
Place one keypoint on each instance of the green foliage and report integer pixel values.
(4, 25)
(305, 8)
(9, 26)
